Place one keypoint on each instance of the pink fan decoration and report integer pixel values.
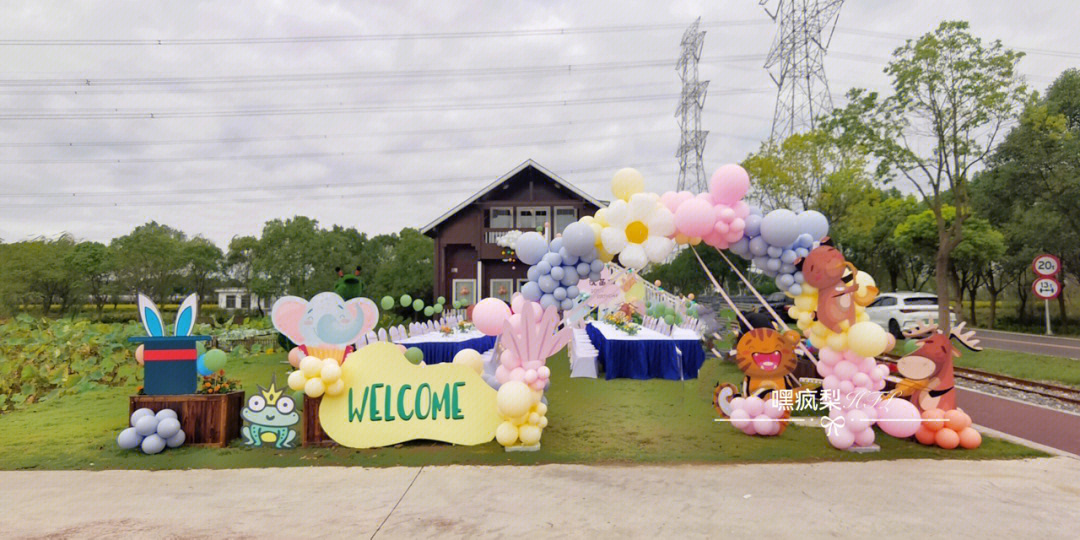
(529, 338)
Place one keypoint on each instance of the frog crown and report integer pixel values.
(272, 393)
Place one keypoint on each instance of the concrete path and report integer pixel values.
(1037, 498)
(1067, 347)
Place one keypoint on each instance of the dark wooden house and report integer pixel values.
(469, 262)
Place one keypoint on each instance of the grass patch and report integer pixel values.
(591, 421)
(1037, 367)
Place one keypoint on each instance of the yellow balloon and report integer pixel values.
(336, 389)
(314, 388)
(804, 302)
(506, 434)
(627, 182)
(600, 217)
(534, 418)
(543, 422)
(297, 380)
(541, 408)
(330, 373)
(837, 342)
(470, 358)
(514, 399)
(529, 434)
(311, 366)
(867, 339)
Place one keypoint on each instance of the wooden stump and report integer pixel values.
(313, 433)
(207, 419)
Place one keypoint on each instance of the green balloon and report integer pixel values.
(457, 305)
(405, 300)
(418, 304)
(215, 359)
(670, 319)
(387, 303)
(442, 300)
(429, 311)
(414, 355)
(437, 308)
(648, 304)
(910, 346)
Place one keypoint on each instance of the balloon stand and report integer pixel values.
(864, 449)
(523, 448)
(207, 419)
(313, 432)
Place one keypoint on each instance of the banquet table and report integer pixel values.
(440, 348)
(647, 354)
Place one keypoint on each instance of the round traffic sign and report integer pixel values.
(1046, 265)
(1046, 288)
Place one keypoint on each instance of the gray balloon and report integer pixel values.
(153, 444)
(176, 440)
(128, 439)
(165, 413)
(146, 425)
(135, 416)
(168, 427)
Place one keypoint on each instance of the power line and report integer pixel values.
(369, 37)
(893, 35)
(351, 75)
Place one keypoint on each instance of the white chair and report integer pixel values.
(583, 357)
(382, 334)
(372, 337)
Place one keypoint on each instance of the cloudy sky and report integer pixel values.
(381, 115)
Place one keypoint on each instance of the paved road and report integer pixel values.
(1067, 347)
(1051, 427)
(1035, 498)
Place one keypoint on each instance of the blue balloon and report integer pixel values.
(774, 252)
(596, 266)
(578, 239)
(589, 257)
(582, 268)
(547, 301)
(557, 273)
(571, 276)
(542, 269)
(741, 248)
(533, 273)
(805, 240)
(594, 275)
(572, 291)
(546, 283)
(784, 281)
(802, 252)
(200, 366)
(153, 444)
(788, 257)
(531, 247)
(787, 268)
(559, 294)
(814, 223)
(555, 245)
(799, 277)
(753, 225)
(795, 290)
(772, 266)
(567, 257)
(168, 427)
(780, 227)
(758, 247)
(128, 439)
(567, 304)
(531, 291)
(553, 259)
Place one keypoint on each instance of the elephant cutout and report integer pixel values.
(326, 320)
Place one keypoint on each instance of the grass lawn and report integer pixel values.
(1052, 369)
(591, 421)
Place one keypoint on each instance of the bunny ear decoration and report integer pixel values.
(150, 317)
(185, 316)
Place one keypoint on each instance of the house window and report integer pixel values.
(521, 283)
(564, 215)
(500, 218)
(531, 218)
(465, 291)
(245, 301)
(502, 289)
(230, 301)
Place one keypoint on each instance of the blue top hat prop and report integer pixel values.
(169, 361)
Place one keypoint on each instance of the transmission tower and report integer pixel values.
(795, 62)
(692, 144)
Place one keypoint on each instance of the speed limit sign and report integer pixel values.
(1046, 265)
(1046, 288)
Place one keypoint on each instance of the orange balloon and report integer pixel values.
(295, 356)
(947, 438)
(924, 436)
(139, 354)
(933, 419)
(956, 420)
(969, 438)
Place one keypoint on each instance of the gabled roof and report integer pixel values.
(502, 179)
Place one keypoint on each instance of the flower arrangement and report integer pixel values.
(217, 384)
(623, 322)
(465, 326)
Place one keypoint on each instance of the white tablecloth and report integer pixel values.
(439, 337)
(611, 332)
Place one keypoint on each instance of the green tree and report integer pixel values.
(150, 260)
(95, 265)
(203, 262)
(40, 274)
(403, 264)
(952, 95)
(297, 257)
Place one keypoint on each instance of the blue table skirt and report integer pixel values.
(442, 352)
(646, 359)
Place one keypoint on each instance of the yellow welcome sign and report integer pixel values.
(388, 400)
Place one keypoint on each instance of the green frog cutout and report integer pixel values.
(270, 416)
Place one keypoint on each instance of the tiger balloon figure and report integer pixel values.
(767, 358)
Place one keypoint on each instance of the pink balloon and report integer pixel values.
(739, 418)
(824, 369)
(754, 405)
(749, 429)
(517, 374)
(517, 303)
(845, 370)
(841, 438)
(502, 374)
(830, 382)
(509, 359)
(864, 437)
(725, 213)
(694, 218)
(856, 421)
(533, 364)
(729, 184)
(538, 385)
(845, 387)
(829, 356)
(530, 376)
(489, 315)
(898, 417)
(543, 372)
(861, 380)
(295, 356)
(741, 209)
(762, 424)
(673, 199)
(772, 410)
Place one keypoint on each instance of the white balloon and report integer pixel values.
(633, 256)
(657, 248)
(661, 222)
(614, 239)
(618, 214)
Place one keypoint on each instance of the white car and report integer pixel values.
(900, 311)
